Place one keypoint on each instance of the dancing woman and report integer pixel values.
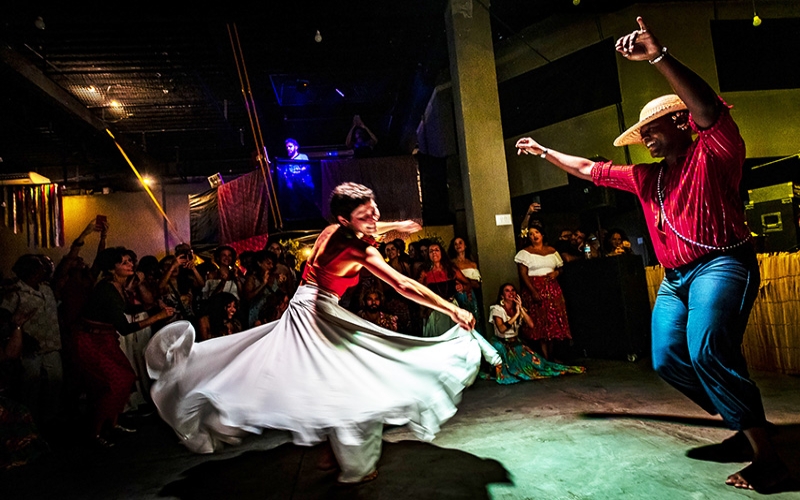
(320, 372)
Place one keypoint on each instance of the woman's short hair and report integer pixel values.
(110, 257)
(218, 251)
(347, 197)
(258, 257)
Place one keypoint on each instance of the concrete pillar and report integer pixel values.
(487, 200)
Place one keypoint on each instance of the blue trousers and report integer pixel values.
(698, 323)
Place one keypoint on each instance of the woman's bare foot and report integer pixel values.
(369, 477)
(327, 460)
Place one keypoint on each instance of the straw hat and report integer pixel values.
(653, 110)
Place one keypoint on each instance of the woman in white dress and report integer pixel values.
(539, 265)
(321, 372)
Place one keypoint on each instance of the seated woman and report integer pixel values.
(220, 317)
(519, 361)
(442, 277)
(321, 373)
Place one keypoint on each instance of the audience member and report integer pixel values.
(519, 361)
(468, 297)
(174, 291)
(227, 277)
(371, 301)
(42, 377)
(565, 246)
(289, 284)
(273, 308)
(538, 265)
(441, 276)
(20, 442)
(106, 371)
(219, 318)
(261, 281)
(360, 139)
(617, 243)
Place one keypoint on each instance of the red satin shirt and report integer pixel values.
(701, 198)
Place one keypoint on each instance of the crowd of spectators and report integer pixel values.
(74, 334)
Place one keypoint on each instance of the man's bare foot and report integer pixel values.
(760, 476)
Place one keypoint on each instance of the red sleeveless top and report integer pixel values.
(328, 281)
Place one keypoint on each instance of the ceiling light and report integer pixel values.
(317, 37)
(147, 180)
(39, 23)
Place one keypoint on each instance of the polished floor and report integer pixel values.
(616, 432)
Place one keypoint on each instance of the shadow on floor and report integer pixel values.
(407, 469)
(786, 439)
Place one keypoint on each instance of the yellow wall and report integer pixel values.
(134, 222)
(767, 119)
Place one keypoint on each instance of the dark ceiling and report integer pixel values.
(165, 82)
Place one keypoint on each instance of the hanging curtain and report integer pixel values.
(37, 210)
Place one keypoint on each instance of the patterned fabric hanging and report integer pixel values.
(37, 210)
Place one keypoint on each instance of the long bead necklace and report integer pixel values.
(679, 235)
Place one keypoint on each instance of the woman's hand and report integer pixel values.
(552, 275)
(166, 313)
(529, 147)
(463, 318)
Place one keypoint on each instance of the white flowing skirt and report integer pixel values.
(318, 371)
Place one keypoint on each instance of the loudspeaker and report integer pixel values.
(608, 307)
(776, 221)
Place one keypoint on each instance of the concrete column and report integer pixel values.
(480, 143)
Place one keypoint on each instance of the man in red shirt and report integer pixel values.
(696, 221)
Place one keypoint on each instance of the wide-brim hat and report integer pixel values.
(653, 110)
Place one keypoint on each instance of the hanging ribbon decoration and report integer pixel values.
(35, 209)
(255, 125)
(171, 227)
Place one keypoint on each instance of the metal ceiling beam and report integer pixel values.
(34, 75)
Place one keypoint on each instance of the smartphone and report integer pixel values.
(536, 199)
(100, 222)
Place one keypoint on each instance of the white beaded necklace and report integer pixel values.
(679, 235)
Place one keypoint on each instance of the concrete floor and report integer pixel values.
(615, 432)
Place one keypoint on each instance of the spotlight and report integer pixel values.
(576, 2)
(318, 37)
(148, 180)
